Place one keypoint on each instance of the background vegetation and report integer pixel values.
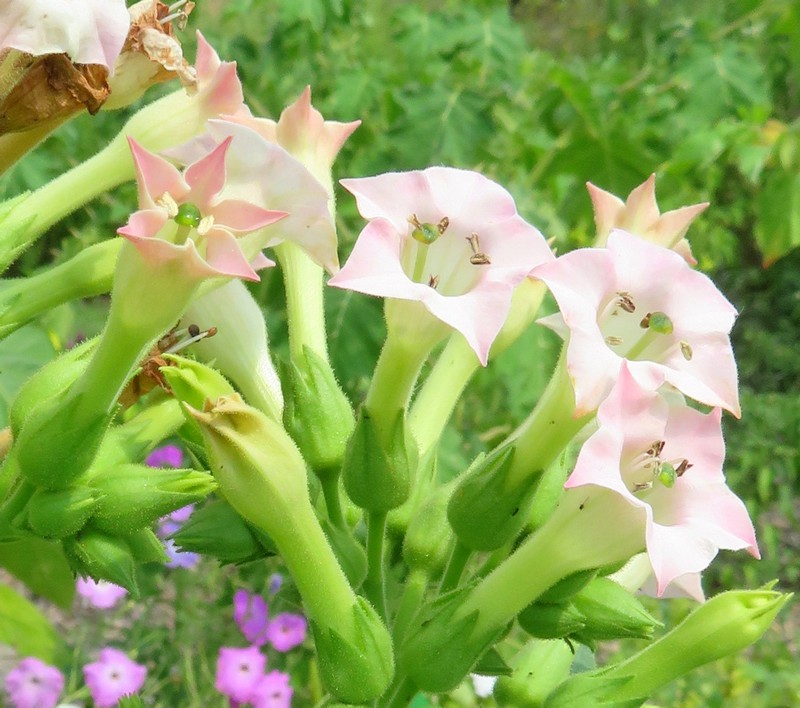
(541, 96)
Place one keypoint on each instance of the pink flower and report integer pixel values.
(34, 684)
(666, 462)
(100, 593)
(639, 215)
(113, 676)
(448, 238)
(166, 456)
(182, 220)
(637, 302)
(90, 32)
(264, 173)
(272, 691)
(287, 631)
(250, 613)
(239, 671)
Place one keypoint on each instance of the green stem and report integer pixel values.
(644, 341)
(548, 429)
(567, 543)
(333, 503)
(436, 400)
(455, 567)
(87, 274)
(374, 586)
(410, 602)
(419, 263)
(303, 281)
(399, 694)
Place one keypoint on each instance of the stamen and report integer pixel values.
(193, 338)
(205, 225)
(682, 467)
(427, 233)
(625, 302)
(166, 201)
(686, 350)
(433, 281)
(477, 257)
(613, 341)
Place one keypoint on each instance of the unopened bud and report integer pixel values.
(60, 513)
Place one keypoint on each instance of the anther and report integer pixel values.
(433, 281)
(477, 257)
(613, 341)
(166, 201)
(686, 350)
(205, 225)
(625, 302)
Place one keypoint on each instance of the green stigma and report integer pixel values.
(667, 474)
(427, 233)
(188, 215)
(659, 322)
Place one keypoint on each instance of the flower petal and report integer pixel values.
(155, 176)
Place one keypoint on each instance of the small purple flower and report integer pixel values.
(34, 684)
(113, 676)
(239, 671)
(180, 559)
(272, 691)
(165, 456)
(287, 631)
(100, 593)
(275, 582)
(250, 613)
(181, 516)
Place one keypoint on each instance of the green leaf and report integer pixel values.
(778, 216)
(42, 566)
(26, 629)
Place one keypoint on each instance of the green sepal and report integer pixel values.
(193, 382)
(49, 381)
(317, 414)
(217, 530)
(546, 621)
(56, 514)
(612, 612)
(146, 547)
(440, 648)
(565, 588)
(104, 557)
(484, 511)
(377, 479)
(538, 668)
(348, 551)
(59, 441)
(429, 538)
(134, 496)
(492, 664)
(360, 668)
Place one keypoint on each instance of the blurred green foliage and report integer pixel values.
(542, 96)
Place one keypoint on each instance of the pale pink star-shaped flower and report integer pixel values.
(89, 32)
(466, 276)
(639, 215)
(665, 460)
(182, 219)
(262, 172)
(635, 301)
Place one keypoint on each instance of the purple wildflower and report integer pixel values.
(165, 456)
(34, 684)
(180, 559)
(287, 631)
(113, 676)
(273, 691)
(181, 516)
(275, 581)
(100, 593)
(239, 671)
(250, 613)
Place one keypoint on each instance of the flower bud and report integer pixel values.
(725, 624)
(359, 668)
(104, 557)
(564, 589)
(193, 382)
(484, 511)
(611, 612)
(546, 621)
(60, 513)
(537, 670)
(217, 530)
(134, 496)
(429, 538)
(318, 414)
(375, 478)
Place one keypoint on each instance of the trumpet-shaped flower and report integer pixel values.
(90, 32)
(642, 303)
(182, 219)
(665, 460)
(262, 172)
(639, 215)
(448, 238)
